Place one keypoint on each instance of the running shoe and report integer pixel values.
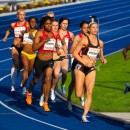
(69, 105)
(46, 107)
(24, 91)
(127, 88)
(28, 98)
(12, 88)
(84, 119)
(63, 89)
(82, 101)
(52, 95)
(41, 101)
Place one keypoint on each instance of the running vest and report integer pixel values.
(81, 36)
(27, 39)
(49, 45)
(67, 39)
(18, 29)
(91, 50)
(58, 42)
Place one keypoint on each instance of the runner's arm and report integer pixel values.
(74, 44)
(8, 33)
(101, 55)
(37, 40)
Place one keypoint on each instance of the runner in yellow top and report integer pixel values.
(27, 54)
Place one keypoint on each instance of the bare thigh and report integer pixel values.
(79, 82)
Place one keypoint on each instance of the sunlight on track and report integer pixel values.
(32, 117)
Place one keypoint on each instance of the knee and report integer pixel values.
(89, 94)
(34, 80)
(64, 72)
(48, 79)
(25, 68)
(78, 94)
(56, 75)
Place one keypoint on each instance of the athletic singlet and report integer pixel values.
(58, 42)
(67, 39)
(91, 51)
(27, 39)
(80, 35)
(18, 29)
(49, 45)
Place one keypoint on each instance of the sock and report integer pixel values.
(13, 75)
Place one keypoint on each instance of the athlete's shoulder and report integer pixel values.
(71, 34)
(13, 25)
(39, 32)
(100, 41)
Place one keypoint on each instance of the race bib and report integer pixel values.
(49, 45)
(67, 42)
(27, 38)
(17, 31)
(59, 44)
(93, 52)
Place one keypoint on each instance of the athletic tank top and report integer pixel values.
(27, 39)
(91, 50)
(80, 35)
(67, 39)
(58, 42)
(18, 29)
(49, 45)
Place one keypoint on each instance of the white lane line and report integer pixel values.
(105, 42)
(11, 100)
(53, 7)
(109, 30)
(115, 29)
(19, 113)
(82, 10)
(117, 39)
(75, 12)
(5, 60)
(115, 20)
(4, 77)
(78, 29)
(42, 9)
(113, 52)
(4, 48)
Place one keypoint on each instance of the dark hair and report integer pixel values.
(43, 20)
(33, 17)
(83, 22)
(55, 20)
(62, 19)
(93, 19)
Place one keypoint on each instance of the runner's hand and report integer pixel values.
(4, 39)
(104, 61)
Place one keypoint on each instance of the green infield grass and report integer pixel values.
(108, 94)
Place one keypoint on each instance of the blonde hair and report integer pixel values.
(20, 10)
(92, 23)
